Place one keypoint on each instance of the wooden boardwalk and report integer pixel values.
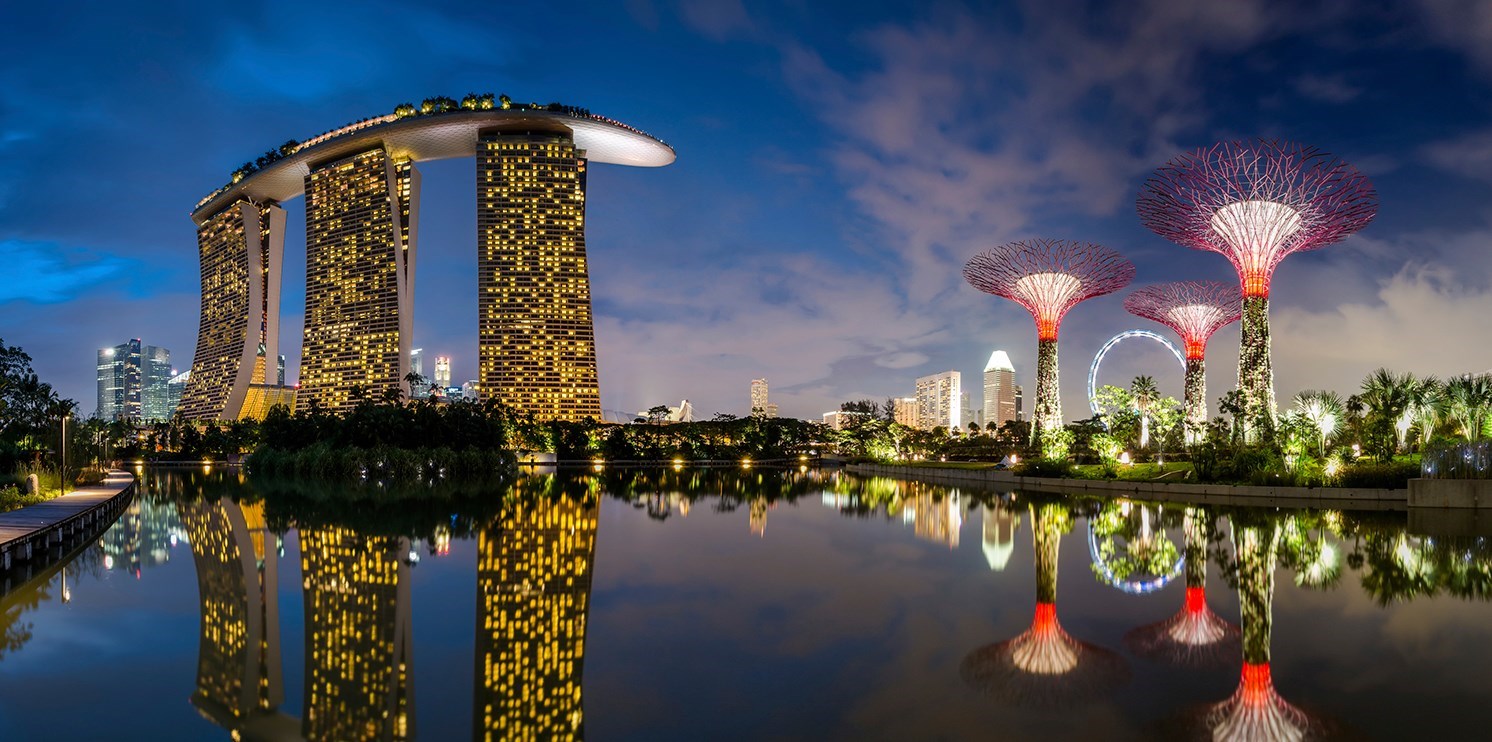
(36, 529)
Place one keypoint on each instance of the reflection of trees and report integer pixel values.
(1401, 567)
(1044, 666)
(1195, 635)
(534, 566)
(1133, 550)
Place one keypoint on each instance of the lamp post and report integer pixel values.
(62, 475)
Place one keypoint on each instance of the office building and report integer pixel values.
(939, 401)
(759, 400)
(134, 382)
(174, 389)
(417, 367)
(840, 419)
(1001, 394)
(905, 411)
(442, 372)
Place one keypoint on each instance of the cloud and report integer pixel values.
(1469, 155)
(47, 273)
(716, 19)
(901, 360)
(1327, 88)
(1463, 25)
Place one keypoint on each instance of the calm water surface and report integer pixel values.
(759, 605)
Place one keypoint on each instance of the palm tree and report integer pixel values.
(1144, 391)
(1424, 405)
(1323, 411)
(1385, 394)
(1466, 401)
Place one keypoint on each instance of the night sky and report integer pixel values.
(836, 167)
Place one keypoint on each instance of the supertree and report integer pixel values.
(1044, 666)
(1195, 635)
(1048, 278)
(1195, 310)
(1256, 202)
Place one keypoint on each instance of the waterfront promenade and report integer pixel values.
(36, 530)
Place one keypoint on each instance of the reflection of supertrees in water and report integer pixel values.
(1195, 635)
(1256, 202)
(1256, 711)
(1147, 560)
(1044, 666)
(1195, 310)
(1048, 278)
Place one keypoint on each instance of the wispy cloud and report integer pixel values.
(46, 273)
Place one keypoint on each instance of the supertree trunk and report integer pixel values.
(1196, 400)
(1255, 372)
(1256, 551)
(1046, 536)
(1194, 531)
(1048, 411)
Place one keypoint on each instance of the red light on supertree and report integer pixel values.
(1195, 310)
(1048, 278)
(1194, 635)
(1256, 202)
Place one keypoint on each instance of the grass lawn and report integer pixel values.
(1137, 472)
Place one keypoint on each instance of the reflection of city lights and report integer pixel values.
(108, 562)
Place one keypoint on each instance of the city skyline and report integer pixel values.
(870, 204)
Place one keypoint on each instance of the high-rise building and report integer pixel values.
(442, 372)
(1000, 390)
(362, 222)
(970, 411)
(133, 382)
(759, 397)
(534, 567)
(938, 401)
(417, 367)
(241, 245)
(536, 340)
(537, 349)
(905, 411)
(174, 389)
(470, 389)
(840, 419)
(280, 370)
(359, 679)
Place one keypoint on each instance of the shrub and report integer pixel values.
(1044, 468)
(1386, 475)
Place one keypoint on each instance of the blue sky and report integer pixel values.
(836, 167)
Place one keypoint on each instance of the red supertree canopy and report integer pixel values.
(1256, 202)
(1194, 309)
(1049, 277)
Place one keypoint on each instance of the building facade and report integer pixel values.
(362, 223)
(1001, 394)
(241, 247)
(535, 337)
(939, 401)
(905, 411)
(134, 382)
(759, 401)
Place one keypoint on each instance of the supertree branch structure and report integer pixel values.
(1195, 310)
(1256, 202)
(1048, 278)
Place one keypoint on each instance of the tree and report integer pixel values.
(1323, 412)
(658, 413)
(1144, 392)
(1385, 395)
(1466, 402)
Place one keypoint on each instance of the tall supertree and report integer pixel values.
(1048, 278)
(1256, 202)
(1044, 666)
(1195, 310)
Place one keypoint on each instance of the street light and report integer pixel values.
(62, 475)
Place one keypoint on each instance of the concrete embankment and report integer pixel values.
(1340, 498)
(36, 534)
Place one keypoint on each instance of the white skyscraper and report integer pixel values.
(759, 403)
(1000, 390)
(938, 400)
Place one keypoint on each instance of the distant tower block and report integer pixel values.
(1195, 310)
(536, 340)
(999, 391)
(241, 248)
(362, 216)
(1256, 202)
(1048, 278)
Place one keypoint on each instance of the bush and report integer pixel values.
(1044, 468)
(1388, 475)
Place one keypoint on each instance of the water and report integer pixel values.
(729, 605)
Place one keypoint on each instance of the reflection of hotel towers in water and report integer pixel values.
(533, 595)
(238, 657)
(359, 668)
(535, 334)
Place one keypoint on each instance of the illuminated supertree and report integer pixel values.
(1195, 635)
(1256, 202)
(1048, 278)
(1195, 310)
(1044, 666)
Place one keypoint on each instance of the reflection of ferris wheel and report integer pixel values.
(1113, 341)
(1131, 586)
